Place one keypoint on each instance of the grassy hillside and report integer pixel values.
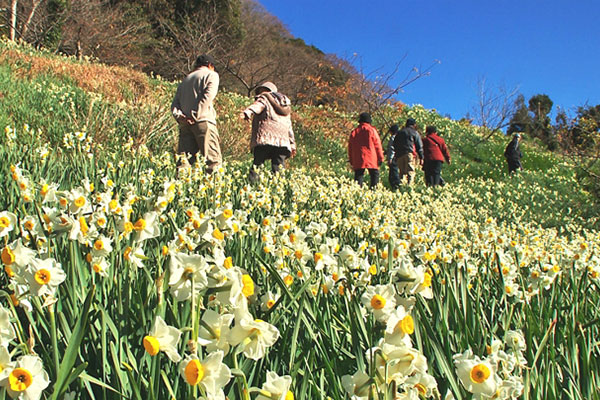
(487, 286)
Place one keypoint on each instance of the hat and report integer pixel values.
(394, 128)
(270, 86)
(204, 60)
(411, 122)
(364, 117)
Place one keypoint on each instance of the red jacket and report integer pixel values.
(434, 148)
(364, 147)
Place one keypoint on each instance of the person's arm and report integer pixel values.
(419, 146)
(292, 141)
(255, 108)
(378, 146)
(210, 90)
(176, 105)
(445, 151)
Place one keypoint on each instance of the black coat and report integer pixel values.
(513, 151)
(407, 140)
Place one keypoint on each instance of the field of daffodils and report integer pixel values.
(124, 278)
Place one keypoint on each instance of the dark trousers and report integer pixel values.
(513, 165)
(394, 175)
(262, 153)
(433, 171)
(373, 176)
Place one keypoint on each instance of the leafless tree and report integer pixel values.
(495, 106)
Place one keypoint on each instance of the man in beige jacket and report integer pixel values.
(272, 134)
(193, 109)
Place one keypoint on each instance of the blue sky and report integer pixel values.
(550, 47)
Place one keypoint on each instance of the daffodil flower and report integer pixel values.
(163, 337)
(27, 379)
(210, 373)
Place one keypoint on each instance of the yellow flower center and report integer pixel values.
(227, 213)
(318, 257)
(29, 225)
(80, 201)
(228, 263)
(128, 227)
(20, 379)
(378, 302)
(292, 238)
(127, 254)
(8, 257)
(266, 222)
(42, 276)
(288, 280)
(248, 289)
(298, 254)
(151, 345)
(373, 269)
(83, 226)
(289, 395)
(113, 204)
(4, 222)
(270, 303)
(335, 277)
(165, 250)
(140, 225)
(194, 372)
(427, 279)
(97, 267)
(217, 234)
(101, 221)
(98, 245)
(406, 325)
(44, 190)
(421, 388)
(480, 373)
(9, 271)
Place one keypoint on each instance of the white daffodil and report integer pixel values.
(135, 255)
(400, 325)
(100, 266)
(44, 276)
(16, 257)
(163, 337)
(477, 376)
(276, 388)
(7, 331)
(184, 270)
(357, 386)
(214, 331)
(8, 222)
(268, 300)
(210, 373)
(102, 246)
(147, 227)
(27, 379)
(380, 300)
(78, 201)
(5, 365)
(254, 336)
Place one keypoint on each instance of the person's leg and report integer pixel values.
(394, 176)
(410, 168)
(260, 155)
(278, 157)
(358, 175)
(187, 144)
(427, 171)
(402, 163)
(212, 149)
(436, 172)
(373, 177)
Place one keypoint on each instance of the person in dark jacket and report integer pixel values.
(406, 142)
(435, 152)
(513, 154)
(365, 151)
(394, 176)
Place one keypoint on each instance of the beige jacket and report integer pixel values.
(269, 127)
(195, 95)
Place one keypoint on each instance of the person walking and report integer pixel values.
(272, 133)
(435, 153)
(365, 151)
(193, 109)
(406, 143)
(394, 175)
(513, 154)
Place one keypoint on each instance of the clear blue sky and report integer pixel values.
(550, 47)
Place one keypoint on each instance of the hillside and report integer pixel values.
(126, 279)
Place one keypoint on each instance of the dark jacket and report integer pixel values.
(513, 151)
(406, 141)
(434, 148)
(364, 147)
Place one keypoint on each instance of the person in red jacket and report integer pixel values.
(435, 152)
(365, 150)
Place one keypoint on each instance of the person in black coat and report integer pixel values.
(513, 154)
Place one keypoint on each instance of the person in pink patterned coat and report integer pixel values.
(272, 133)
